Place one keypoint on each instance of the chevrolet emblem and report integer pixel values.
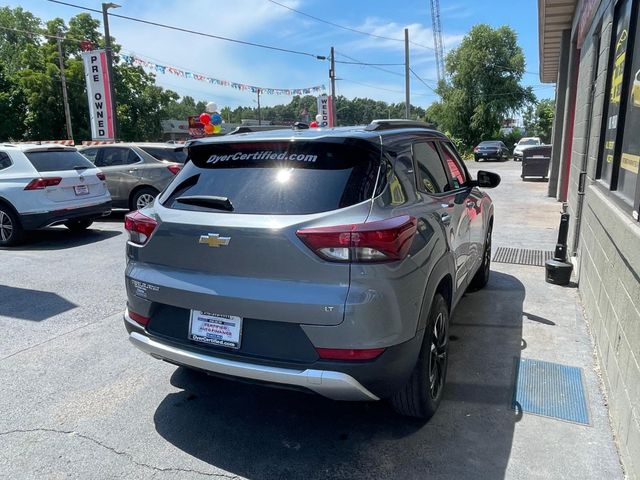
(214, 240)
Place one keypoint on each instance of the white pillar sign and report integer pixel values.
(99, 94)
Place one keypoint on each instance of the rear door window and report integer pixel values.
(291, 178)
(430, 172)
(5, 161)
(91, 154)
(117, 156)
(58, 160)
(167, 154)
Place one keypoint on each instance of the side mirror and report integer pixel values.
(487, 179)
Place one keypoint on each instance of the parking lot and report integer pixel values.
(78, 401)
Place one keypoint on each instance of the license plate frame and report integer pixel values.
(81, 190)
(215, 329)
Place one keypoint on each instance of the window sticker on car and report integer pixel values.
(263, 155)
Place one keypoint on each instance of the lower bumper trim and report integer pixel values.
(334, 385)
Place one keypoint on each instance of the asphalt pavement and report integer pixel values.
(78, 401)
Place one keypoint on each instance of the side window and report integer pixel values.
(5, 161)
(132, 157)
(456, 170)
(113, 157)
(91, 154)
(430, 172)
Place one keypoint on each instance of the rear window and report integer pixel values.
(287, 178)
(167, 154)
(58, 160)
(529, 142)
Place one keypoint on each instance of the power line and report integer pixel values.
(354, 30)
(422, 81)
(382, 88)
(195, 32)
(369, 64)
(365, 64)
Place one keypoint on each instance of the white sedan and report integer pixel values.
(44, 185)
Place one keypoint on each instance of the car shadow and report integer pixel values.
(261, 433)
(19, 303)
(116, 216)
(60, 238)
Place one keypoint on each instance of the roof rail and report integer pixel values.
(393, 123)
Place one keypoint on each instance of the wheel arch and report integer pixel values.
(8, 204)
(440, 281)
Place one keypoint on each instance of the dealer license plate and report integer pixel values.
(215, 329)
(81, 189)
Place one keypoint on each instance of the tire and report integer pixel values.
(422, 394)
(11, 231)
(143, 197)
(481, 278)
(476, 159)
(78, 225)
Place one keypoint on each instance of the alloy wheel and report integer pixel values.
(144, 200)
(6, 226)
(437, 356)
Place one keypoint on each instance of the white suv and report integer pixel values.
(523, 144)
(44, 185)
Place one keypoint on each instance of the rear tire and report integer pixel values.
(422, 394)
(143, 197)
(481, 278)
(11, 231)
(78, 225)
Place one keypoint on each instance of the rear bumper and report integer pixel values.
(353, 381)
(34, 221)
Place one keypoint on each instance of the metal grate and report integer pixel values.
(522, 256)
(550, 390)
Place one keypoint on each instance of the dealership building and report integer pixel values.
(591, 50)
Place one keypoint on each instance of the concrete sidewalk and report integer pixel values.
(552, 328)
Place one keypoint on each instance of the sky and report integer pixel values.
(262, 21)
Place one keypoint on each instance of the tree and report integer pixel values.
(484, 87)
(538, 119)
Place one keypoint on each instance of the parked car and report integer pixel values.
(44, 185)
(325, 260)
(491, 149)
(635, 94)
(134, 177)
(523, 144)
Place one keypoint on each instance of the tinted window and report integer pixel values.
(429, 169)
(5, 161)
(91, 154)
(114, 156)
(57, 160)
(279, 177)
(456, 170)
(167, 154)
(528, 142)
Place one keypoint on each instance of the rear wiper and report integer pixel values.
(209, 201)
(80, 167)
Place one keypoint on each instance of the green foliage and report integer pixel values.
(538, 119)
(510, 139)
(483, 88)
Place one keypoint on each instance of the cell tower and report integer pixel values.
(437, 38)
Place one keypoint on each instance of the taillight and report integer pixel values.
(139, 226)
(136, 317)
(349, 354)
(175, 169)
(382, 241)
(41, 183)
(101, 176)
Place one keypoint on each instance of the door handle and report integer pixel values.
(133, 170)
(471, 204)
(445, 218)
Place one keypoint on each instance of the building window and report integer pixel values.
(620, 149)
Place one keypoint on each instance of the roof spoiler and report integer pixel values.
(393, 123)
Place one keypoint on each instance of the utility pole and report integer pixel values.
(259, 114)
(65, 98)
(407, 95)
(107, 38)
(332, 77)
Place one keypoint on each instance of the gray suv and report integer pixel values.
(134, 176)
(325, 260)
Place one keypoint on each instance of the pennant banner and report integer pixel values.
(164, 69)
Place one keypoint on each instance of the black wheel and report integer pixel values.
(10, 228)
(422, 394)
(78, 225)
(143, 197)
(476, 159)
(481, 278)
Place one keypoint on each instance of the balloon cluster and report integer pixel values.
(211, 119)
